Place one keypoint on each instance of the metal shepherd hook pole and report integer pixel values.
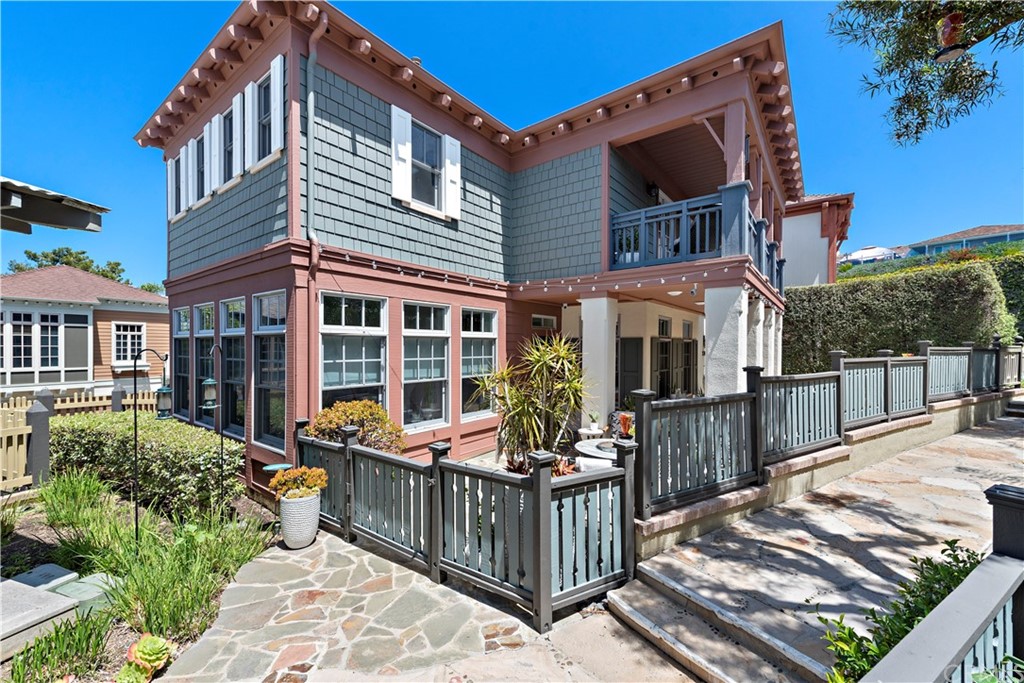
(163, 396)
(212, 395)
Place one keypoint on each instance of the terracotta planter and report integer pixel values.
(300, 518)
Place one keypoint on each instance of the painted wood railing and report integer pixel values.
(799, 414)
(1011, 367)
(948, 371)
(984, 364)
(539, 542)
(980, 622)
(881, 389)
(669, 233)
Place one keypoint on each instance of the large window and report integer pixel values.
(21, 340)
(263, 119)
(425, 364)
(269, 343)
(129, 340)
(479, 346)
(49, 340)
(180, 322)
(204, 319)
(233, 414)
(426, 166)
(204, 371)
(232, 315)
(181, 374)
(354, 346)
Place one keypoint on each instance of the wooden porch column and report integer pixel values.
(735, 133)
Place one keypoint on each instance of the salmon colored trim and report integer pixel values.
(606, 210)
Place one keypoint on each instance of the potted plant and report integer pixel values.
(594, 417)
(298, 491)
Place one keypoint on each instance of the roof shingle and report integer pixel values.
(72, 285)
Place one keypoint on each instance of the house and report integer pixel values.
(816, 227)
(71, 331)
(968, 239)
(400, 241)
(25, 205)
(870, 254)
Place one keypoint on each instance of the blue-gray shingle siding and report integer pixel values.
(627, 187)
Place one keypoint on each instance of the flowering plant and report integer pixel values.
(301, 482)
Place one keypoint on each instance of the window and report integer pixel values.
(233, 373)
(544, 322)
(181, 374)
(479, 346)
(49, 340)
(354, 343)
(21, 340)
(687, 329)
(425, 364)
(232, 314)
(181, 322)
(664, 327)
(269, 349)
(426, 167)
(204, 319)
(263, 118)
(200, 175)
(204, 371)
(129, 340)
(227, 155)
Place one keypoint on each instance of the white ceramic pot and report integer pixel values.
(300, 518)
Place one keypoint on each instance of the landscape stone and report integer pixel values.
(27, 612)
(46, 577)
(408, 609)
(89, 596)
(441, 628)
(371, 654)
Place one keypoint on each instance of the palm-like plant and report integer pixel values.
(535, 397)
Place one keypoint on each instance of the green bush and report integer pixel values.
(994, 251)
(179, 465)
(75, 647)
(1010, 273)
(947, 304)
(856, 654)
(376, 429)
(10, 513)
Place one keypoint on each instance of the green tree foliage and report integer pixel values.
(927, 95)
(66, 256)
(1010, 271)
(947, 304)
(154, 287)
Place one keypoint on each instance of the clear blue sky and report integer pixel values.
(77, 80)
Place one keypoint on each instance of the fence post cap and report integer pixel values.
(1018, 339)
(440, 448)
(1004, 495)
(753, 368)
(838, 353)
(37, 407)
(43, 392)
(541, 459)
(643, 394)
(925, 341)
(625, 444)
(968, 344)
(302, 423)
(884, 353)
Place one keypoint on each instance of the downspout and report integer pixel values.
(313, 337)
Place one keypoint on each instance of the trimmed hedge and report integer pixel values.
(1010, 272)
(947, 304)
(179, 465)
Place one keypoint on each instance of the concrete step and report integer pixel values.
(27, 612)
(700, 646)
(748, 634)
(1015, 408)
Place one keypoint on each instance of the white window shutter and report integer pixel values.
(401, 154)
(170, 189)
(452, 178)
(250, 125)
(277, 103)
(207, 155)
(192, 157)
(237, 116)
(215, 143)
(183, 176)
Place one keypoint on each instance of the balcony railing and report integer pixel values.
(711, 226)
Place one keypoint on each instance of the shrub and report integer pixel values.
(10, 513)
(179, 465)
(302, 482)
(946, 304)
(376, 429)
(1010, 272)
(933, 580)
(996, 250)
(72, 648)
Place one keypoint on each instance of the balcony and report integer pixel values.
(707, 227)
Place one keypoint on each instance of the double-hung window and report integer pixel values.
(479, 350)
(49, 340)
(264, 115)
(425, 364)
(21, 340)
(426, 167)
(129, 340)
(232, 343)
(269, 349)
(354, 337)
(180, 321)
(204, 359)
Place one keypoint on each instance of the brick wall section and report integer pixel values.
(245, 217)
(354, 206)
(628, 189)
(556, 218)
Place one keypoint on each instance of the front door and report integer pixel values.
(631, 366)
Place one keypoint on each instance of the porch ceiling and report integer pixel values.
(685, 162)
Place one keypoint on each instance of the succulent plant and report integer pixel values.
(133, 673)
(150, 652)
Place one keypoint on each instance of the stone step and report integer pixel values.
(690, 640)
(90, 592)
(26, 613)
(751, 636)
(46, 577)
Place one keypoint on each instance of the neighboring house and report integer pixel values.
(71, 331)
(23, 205)
(967, 239)
(871, 254)
(413, 244)
(816, 227)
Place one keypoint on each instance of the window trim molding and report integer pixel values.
(175, 332)
(196, 330)
(116, 364)
(274, 329)
(223, 328)
(478, 414)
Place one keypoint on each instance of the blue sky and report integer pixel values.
(77, 80)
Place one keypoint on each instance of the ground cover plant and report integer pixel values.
(179, 465)
(934, 579)
(73, 648)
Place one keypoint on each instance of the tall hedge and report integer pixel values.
(1010, 272)
(947, 304)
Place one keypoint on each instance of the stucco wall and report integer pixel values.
(806, 251)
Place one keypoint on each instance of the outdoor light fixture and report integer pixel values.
(163, 407)
(209, 393)
(675, 292)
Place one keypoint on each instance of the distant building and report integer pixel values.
(816, 226)
(968, 239)
(872, 254)
(69, 331)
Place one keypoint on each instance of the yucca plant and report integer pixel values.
(536, 397)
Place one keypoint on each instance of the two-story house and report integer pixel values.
(345, 225)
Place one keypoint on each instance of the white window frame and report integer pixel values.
(35, 344)
(128, 363)
(667, 321)
(450, 192)
(176, 320)
(539, 321)
(224, 317)
(257, 327)
(363, 331)
(197, 317)
(445, 334)
(492, 335)
(259, 330)
(253, 162)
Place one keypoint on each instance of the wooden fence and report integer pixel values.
(14, 442)
(542, 543)
(800, 413)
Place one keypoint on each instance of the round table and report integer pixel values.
(595, 454)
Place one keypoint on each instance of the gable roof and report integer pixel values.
(72, 285)
(972, 233)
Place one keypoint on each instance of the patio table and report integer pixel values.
(594, 454)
